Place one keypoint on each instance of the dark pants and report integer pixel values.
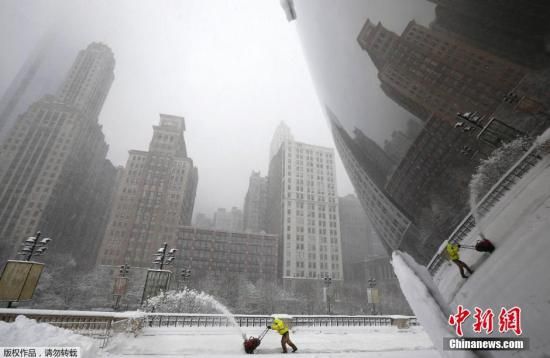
(461, 266)
(285, 339)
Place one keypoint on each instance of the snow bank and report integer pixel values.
(26, 332)
(426, 301)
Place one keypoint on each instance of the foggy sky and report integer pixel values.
(234, 69)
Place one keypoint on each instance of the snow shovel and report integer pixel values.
(252, 343)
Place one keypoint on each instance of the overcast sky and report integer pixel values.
(233, 69)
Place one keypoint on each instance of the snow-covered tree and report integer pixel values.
(495, 166)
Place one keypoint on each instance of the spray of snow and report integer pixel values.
(25, 332)
(426, 301)
(190, 301)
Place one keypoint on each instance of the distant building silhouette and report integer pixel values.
(255, 204)
(231, 220)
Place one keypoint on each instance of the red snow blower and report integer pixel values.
(252, 343)
(483, 245)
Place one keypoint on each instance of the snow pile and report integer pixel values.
(426, 301)
(25, 332)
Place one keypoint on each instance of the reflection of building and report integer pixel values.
(389, 221)
(513, 30)
(53, 173)
(398, 146)
(358, 239)
(255, 204)
(220, 252)
(228, 220)
(303, 209)
(435, 71)
(157, 195)
(431, 182)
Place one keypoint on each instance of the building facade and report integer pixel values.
(303, 209)
(437, 71)
(255, 204)
(221, 252)
(53, 173)
(156, 196)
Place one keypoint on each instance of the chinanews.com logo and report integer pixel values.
(509, 320)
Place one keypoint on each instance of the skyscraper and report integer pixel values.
(42, 73)
(53, 173)
(155, 197)
(255, 204)
(303, 209)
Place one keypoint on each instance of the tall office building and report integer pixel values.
(303, 209)
(255, 204)
(438, 72)
(155, 197)
(40, 74)
(53, 173)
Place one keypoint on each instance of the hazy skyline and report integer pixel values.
(234, 70)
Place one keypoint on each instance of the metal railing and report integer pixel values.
(495, 194)
(212, 320)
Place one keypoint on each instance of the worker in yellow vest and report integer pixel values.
(280, 326)
(452, 251)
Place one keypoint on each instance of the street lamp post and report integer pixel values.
(164, 257)
(121, 284)
(328, 282)
(372, 288)
(492, 131)
(185, 274)
(32, 244)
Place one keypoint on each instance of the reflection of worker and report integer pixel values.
(452, 250)
(280, 326)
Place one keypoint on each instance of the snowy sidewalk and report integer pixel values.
(386, 342)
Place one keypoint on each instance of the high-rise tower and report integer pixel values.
(53, 173)
(303, 209)
(156, 196)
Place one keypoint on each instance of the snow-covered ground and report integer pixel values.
(313, 342)
(345, 342)
(516, 274)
